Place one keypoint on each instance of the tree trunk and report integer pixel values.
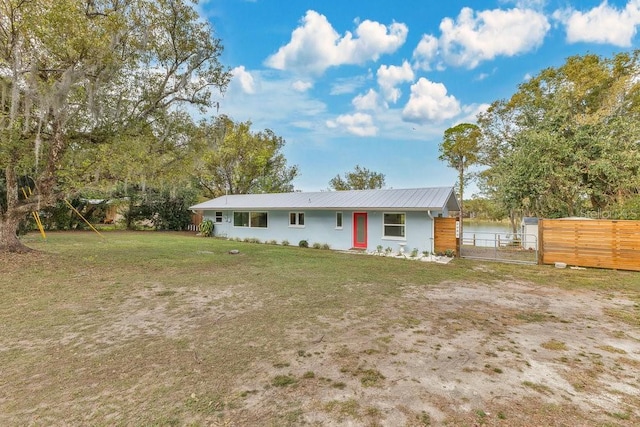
(17, 209)
(9, 241)
(10, 219)
(461, 190)
(512, 220)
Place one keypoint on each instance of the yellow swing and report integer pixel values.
(36, 215)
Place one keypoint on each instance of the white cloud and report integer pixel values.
(429, 102)
(369, 101)
(244, 79)
(603, 24)
(482, 76)
(304, 124)
(358, 124)
(390, 76)
(343, 85)
(425, 53)
(479, 36)
(315, 45)
(301, 86)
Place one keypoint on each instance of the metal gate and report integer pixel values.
(512, 247)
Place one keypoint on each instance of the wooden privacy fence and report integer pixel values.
(444, 230)
(590, 243)
(196, 220)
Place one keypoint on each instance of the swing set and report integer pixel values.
(36, 215)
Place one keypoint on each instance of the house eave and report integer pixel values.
(308, 208)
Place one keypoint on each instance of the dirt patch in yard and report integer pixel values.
(459, 354)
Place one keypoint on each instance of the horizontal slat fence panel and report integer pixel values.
(590, 243)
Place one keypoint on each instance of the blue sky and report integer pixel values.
(376, 83)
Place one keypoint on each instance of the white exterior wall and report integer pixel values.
(320, 227)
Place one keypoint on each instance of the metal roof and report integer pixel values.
(435, 198)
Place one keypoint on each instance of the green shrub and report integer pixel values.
(303, 244)
(414, 253)
(206, 228)
(285, 243)
(317, 245)
(326, 246)
(171, 212)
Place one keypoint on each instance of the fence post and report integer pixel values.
(459, 238)
(540, 241)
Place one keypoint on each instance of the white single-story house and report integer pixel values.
(400, 219)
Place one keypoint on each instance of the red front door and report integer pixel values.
(360, 230)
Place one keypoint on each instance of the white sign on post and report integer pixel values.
(457, 229)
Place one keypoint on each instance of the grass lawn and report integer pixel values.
(170, 329)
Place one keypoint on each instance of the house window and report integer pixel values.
(218, 216)
(338, 219)
(250, 219)
(394, 225)
(258, 219)
(241, 219)
(296, 219)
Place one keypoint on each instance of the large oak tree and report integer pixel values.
(77, 72)
(568, 140)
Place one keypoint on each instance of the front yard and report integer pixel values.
(171, 329)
